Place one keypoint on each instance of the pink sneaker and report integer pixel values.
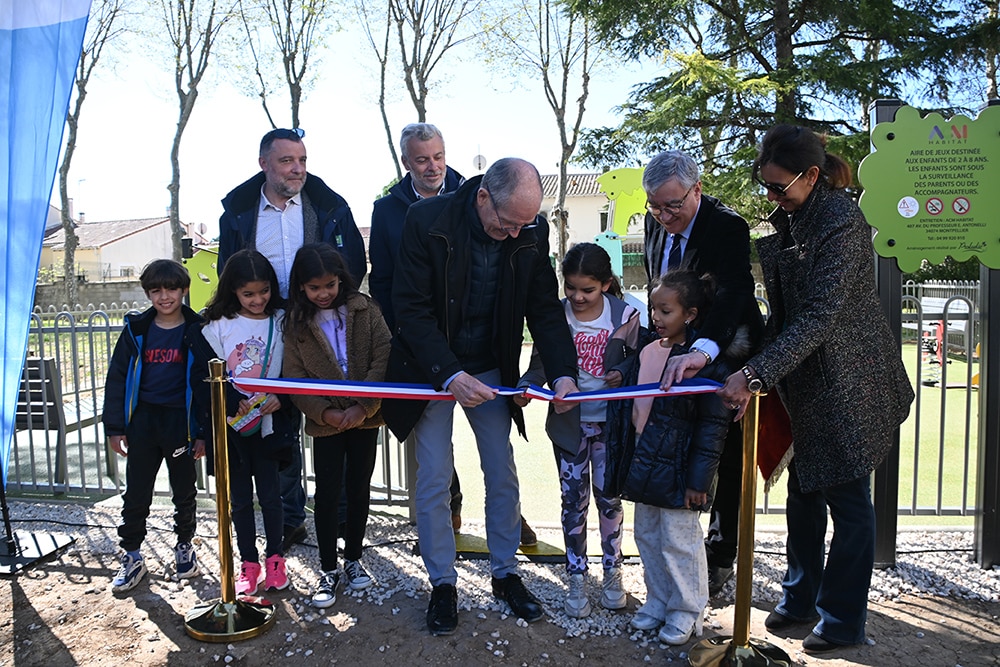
(275, 576)
(249, 579)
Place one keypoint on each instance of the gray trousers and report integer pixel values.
(435, 462)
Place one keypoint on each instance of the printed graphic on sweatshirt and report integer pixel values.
(247, 358)
(590, 351)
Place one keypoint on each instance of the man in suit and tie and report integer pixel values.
(685, 228)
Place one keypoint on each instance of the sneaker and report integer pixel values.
(326, 590)
(249, 579)
(612, 593)
(643, 621)
(275, 576)
(187, 563)
(129, 575)
(671, 634)
(357, 578)
(528, 537)
(577, 605)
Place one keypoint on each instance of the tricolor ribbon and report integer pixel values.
(425, 392)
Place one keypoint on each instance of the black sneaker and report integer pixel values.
(511, 590)
(325, 593)
(442, 612)
(296, 535)
(528, 537)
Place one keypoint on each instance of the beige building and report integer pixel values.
(584, 201)
(111, 250)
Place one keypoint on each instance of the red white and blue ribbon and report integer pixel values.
(425, 392)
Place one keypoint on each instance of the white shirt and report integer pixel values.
(280, 234)
(242, 342)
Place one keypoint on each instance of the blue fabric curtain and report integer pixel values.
(40, 44)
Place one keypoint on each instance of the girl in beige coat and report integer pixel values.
(334, 332)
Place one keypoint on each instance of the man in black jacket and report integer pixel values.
(692, 230)
(473, 266)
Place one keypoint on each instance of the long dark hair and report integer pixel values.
(312, 261)
(593, 261)
(693, 290)
(795, 148)
(242, 267)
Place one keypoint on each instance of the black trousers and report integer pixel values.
(345, 460)
(154, 434)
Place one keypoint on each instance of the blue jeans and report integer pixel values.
(838, 593)
(490, 423)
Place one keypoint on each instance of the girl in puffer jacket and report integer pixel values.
(664, 454)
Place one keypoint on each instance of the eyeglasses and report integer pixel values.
(774, 188)
(656, 210)
(512, 228)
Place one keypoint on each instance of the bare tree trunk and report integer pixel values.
(992, 55)
(192, 32)
(176, 229)
(786, 102)
(71, 240)
(103, 26)
(383, 62)
(426, 31)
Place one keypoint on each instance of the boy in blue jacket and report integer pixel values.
(148, 417)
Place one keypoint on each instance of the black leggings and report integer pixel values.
(346, 457)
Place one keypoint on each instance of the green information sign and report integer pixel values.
(932, 188)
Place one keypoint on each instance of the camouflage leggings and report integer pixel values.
(575, 472)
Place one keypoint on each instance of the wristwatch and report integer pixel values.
(754, 384)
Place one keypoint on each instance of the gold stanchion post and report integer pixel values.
(740, 649)
(229, 618)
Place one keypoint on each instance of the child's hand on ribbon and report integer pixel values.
(564, 386)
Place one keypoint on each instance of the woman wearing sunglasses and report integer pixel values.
(829, 354)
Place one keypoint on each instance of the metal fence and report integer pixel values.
(938, 442)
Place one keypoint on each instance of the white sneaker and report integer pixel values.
(577, 605)
(612, 593)
(357, 578)
(670, 634)
(643, 621)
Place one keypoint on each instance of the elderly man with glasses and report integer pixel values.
(277, 211)
(688, 229)
(473, 266)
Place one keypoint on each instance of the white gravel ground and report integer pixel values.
(938, 563)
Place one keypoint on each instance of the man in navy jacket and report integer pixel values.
(276, 212)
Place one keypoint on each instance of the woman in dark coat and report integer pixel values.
(835, 364)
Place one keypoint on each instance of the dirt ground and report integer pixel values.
(62, 612)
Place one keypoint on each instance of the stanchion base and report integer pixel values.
(716, 651)
(30, 548)
(217, 621)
